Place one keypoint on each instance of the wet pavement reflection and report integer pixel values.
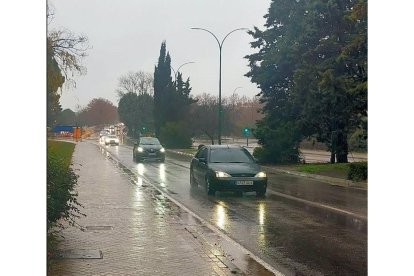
(291, 236)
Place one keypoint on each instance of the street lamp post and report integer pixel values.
(220, 47)
(233, 113)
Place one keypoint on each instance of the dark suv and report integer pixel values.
(148, 148)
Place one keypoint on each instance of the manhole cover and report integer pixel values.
(98, 227)
(78, 254)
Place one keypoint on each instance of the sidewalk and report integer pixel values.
(130, 228)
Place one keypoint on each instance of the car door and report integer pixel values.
(202, 165)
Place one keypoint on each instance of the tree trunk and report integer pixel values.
(332, 157)
(342, 148)
(333, 146)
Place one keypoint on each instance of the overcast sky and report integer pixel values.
(126, 36)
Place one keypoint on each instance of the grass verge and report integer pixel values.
(62, 149)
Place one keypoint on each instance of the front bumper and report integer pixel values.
(157, 156)
(233, 184)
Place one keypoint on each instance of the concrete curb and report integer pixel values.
(322, 178)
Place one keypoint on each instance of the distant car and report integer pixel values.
(227, 168)
(103, 133)
(148, 148)
(111, 140)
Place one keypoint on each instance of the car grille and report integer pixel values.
(242, 175)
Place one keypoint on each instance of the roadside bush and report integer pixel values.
(358, 171)
(175, 135)
(61, 195)
(279, 144)
(276, 155)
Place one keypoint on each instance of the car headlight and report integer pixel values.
(139, 149)
(220, 174)
(261, 175)
(162, 150)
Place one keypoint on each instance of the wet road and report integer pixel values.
(294, 237)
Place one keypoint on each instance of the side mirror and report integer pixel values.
(202, 160)
(135, 144)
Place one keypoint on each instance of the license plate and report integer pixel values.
(151, 154)
(244, 182)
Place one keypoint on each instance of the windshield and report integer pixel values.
(230, 155)
(149, 141)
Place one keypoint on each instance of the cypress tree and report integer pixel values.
(162, 88)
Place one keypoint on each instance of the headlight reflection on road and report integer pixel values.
(140, 168)
(139, 181)
(262, 213)
(221, 216)
(262, 234)
(138, 192)
(162, 172)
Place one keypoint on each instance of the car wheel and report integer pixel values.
(261, 192)
(192, 181)
(210, 189)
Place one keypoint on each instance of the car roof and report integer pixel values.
(223, 146)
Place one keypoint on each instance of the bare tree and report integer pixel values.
(138, 82)
(67, 50)
(204, 116)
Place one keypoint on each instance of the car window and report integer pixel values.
(149, 141)
(197, 155)
(230, 155)
(202, 153)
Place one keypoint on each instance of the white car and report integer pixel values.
(111, 140)
(103, 133)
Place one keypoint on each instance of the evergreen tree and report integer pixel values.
(172, 102)
(311, 69)
(135, 111)
(162, 88)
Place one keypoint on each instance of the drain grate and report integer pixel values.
(78, 254)
(98, 227)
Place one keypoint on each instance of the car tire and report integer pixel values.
(210, 189)
(193, 184)
(261, 192)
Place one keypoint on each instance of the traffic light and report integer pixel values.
(246, 132)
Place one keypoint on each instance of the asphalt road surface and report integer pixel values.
(290, 235)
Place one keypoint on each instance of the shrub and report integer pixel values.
(175, 135)
(358, 171)
(279, 143)
(61, 195)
